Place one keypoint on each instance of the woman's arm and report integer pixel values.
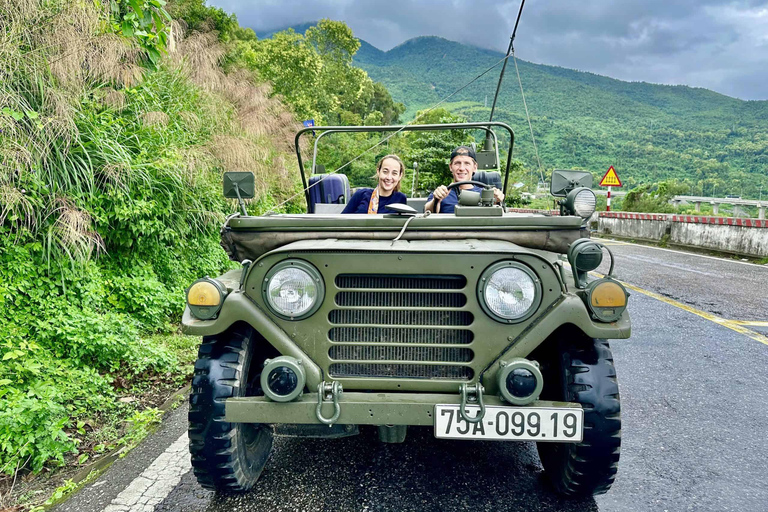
(354, 201)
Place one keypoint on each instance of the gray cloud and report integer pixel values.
(718, 44)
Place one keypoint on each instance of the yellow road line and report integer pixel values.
(734, 325)
(753, 323)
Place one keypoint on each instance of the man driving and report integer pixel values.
(463, 166)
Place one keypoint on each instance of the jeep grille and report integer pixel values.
(400, 327)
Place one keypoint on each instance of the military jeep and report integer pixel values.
(482, 324)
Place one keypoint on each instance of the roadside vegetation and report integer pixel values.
(117, 120)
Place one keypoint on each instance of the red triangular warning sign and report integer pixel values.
(611, 179)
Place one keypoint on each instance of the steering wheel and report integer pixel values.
(486, 186)
(468, 182)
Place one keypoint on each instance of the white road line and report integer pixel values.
(656, 261)
(686, 253)
(156, 482)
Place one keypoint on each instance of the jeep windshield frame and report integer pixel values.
(405, 128)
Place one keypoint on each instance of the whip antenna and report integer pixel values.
(509, 52)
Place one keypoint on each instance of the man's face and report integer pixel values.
(463, 167)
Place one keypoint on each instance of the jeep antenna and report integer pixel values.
(510, 49)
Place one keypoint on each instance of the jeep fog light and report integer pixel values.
(582, 202)
(607, 299)
(205, 298)
(293, 289)
(520, 381)
(282, 378)
(509, 292)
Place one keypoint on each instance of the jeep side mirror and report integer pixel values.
(240, 185)
(565, 181)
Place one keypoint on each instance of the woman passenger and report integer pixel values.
(389, 172)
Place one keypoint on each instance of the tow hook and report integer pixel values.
(472, 394)
(327, 391)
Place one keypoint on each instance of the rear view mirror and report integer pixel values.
(565, 181)
(239, 185)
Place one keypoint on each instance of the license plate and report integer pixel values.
(557, 424)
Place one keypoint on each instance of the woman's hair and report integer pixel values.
(402, 169)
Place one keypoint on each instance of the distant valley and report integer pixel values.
(648, 132)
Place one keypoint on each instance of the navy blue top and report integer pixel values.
(451, 200)
(360, 199)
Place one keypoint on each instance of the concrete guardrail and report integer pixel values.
(748, 237)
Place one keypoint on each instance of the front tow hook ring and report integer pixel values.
(328, 391)
(477, 391)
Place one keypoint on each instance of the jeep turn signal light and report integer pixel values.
(205, 298)
(203, 293)
(608, 294)
(607, 299)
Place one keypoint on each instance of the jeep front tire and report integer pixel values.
(226, 457)
(582, 371)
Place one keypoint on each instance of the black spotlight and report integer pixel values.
(521, 383)
(282, 381)
(283, 378)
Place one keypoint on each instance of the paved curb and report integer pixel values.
(95, 469)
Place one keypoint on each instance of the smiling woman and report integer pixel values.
(389, 172)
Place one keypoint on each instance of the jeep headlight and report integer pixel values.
(293, 289)
(205, 298)
(509, 291)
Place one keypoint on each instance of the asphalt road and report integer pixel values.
(694, 421)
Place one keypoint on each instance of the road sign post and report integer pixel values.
(610, 179)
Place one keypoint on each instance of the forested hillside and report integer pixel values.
(649, 132)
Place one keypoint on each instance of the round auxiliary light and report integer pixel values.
(205, 298)
(282, 378)
(520, 381)
(509, 291)
(607, 299)
(293, 289)
(582, 202)
(585, 255)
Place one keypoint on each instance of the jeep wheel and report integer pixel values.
(226, 457)
(585, 374)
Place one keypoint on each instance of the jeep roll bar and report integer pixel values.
(406, 128)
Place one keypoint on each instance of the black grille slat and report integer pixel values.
(401, 299)
(394, 317)
(401, 282)
(400, 335)
(401, 353)
(408, 371)
(399, 317)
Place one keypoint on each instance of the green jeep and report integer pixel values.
(481, 324)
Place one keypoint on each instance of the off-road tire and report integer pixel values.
(226, 457)
(584, 373)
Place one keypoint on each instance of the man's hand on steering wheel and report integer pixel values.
(497, 195)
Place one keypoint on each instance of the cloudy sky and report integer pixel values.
(718, 44)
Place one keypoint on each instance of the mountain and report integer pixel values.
(648, 132)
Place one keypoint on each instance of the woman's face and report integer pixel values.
(389, 175)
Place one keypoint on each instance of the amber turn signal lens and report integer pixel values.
(203, 293)
(608, 294)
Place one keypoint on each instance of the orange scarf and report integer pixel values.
(373, 204)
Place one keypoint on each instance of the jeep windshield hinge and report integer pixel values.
(472, 394)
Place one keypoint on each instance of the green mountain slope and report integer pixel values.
(648, 132)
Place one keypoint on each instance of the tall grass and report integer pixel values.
(110, 203)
